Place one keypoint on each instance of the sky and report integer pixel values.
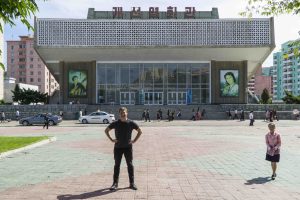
(287, 27)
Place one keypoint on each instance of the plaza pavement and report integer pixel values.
(173, 160)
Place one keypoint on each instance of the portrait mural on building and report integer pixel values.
(229, 83)
(77, 83)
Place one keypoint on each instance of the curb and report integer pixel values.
(43, 142)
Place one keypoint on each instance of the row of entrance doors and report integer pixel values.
(153, 98)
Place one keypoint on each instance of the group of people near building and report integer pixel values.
(159, 115)
(197, 114)
(271, 115)
(235, 114)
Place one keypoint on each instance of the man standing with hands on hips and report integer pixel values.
(123, 145)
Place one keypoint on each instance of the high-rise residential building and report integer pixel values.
(26, 66)
(260, 81)
(286, 70)
(1, 61)
(159, 56)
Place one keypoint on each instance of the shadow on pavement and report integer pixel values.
(88, 195)
(259, 180)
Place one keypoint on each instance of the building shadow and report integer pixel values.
(259, 180)
(88, 195)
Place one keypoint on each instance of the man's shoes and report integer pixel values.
(114, 186)
(133, 186)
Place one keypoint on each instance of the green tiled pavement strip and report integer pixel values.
(176, 160)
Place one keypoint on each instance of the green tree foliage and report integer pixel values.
(28, 96)
(272, 7)
(11, 10)
(16, 93)
(290, 98)
(265, 97)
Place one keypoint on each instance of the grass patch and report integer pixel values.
(11, 143)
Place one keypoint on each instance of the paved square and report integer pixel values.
(173, 160)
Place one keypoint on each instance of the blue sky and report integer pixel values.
(286, 26)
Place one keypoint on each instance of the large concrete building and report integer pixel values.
(26, 66)
(286, 70)
(1, 61)
(260, 81)
(154, 58)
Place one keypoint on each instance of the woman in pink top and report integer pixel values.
(273, 142)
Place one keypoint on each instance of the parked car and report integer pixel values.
(97, 117)
(39, 119)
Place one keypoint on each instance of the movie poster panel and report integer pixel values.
(229, 80)
(77, 83)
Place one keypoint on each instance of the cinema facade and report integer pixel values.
(152, 57)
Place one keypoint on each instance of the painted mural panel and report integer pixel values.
(77, 83)
(229, 83)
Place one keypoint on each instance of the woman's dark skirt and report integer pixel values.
(274, 158)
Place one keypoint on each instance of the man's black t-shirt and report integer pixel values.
(123, 132)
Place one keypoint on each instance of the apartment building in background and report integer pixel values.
(286, 70)
(261, 80)
(25, 65)
(1, 61)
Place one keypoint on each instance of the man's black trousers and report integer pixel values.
(118, 153)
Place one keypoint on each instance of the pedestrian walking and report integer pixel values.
(144, 115)
(273, 142)
(2, 116)
(123, 145)
(251, 117)
(169, 115)
(193, 115)
(158, 115)
(235, 114)
(61, 114)
(242, 118)
(46, 121)
(179, 114)
(17, 115)
(147, 115)
(229, 114)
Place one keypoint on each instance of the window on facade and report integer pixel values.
(39, 80)
(20, 79)
(31, 72)
(39, 72)
(31, 79)
(21, 59)
(11, 47)
(31, 59)
(12, 60)
(30, 66)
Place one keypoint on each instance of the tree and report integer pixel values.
(290, 98)
(10, 10)
(28, 96)
(265, 96)
(16, 93)
(272, 7)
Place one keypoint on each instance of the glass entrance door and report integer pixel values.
(127, 98)
(154, 98)
(181, 98)
(176, 98)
